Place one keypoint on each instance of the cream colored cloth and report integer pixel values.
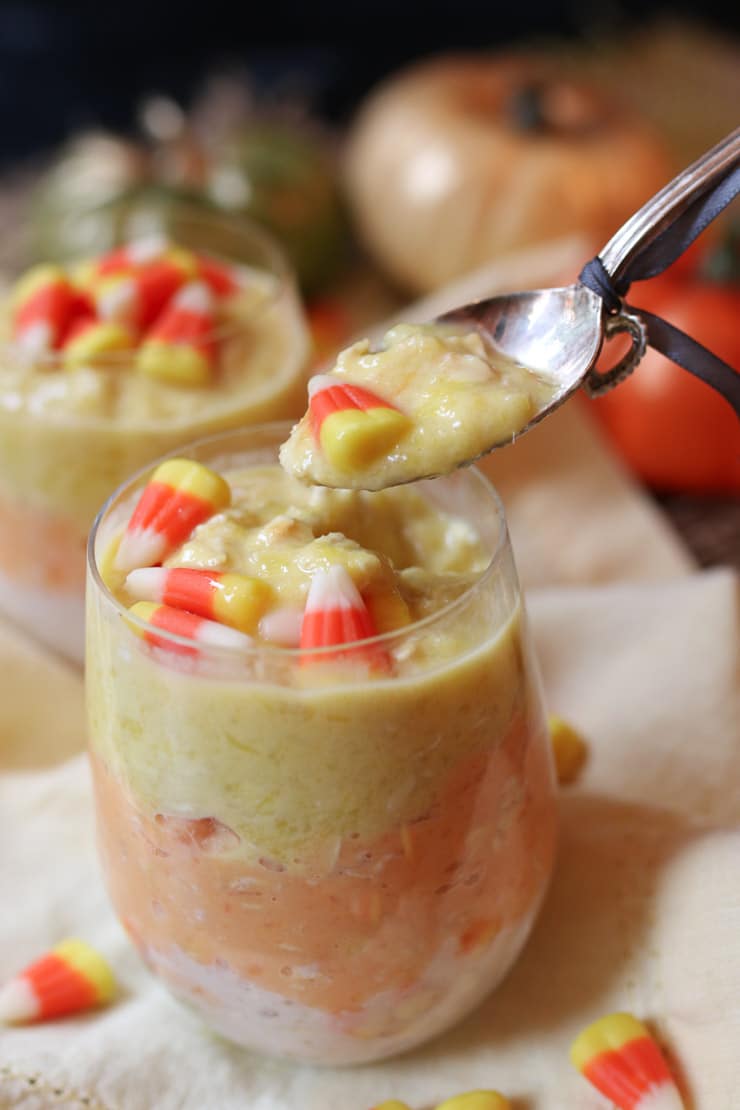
(640, 651)
(643, 912)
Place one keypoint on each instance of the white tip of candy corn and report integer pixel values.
(319, 382)
(282, 626)
(336, 616)
(35, 340)
(147, 583)
(619, 1056)
(333, 589)
(117, 301)
(217, 635)
(663, 1098)
(18, 1002)
(147, 248)
(140, 549)
(194, 297)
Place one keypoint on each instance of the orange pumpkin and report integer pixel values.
(460, 158)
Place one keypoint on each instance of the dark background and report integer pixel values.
(64, 66)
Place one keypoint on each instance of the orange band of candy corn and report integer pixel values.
(44, 301)
(136, 253)
(72, 977)
(352, 425)
(189, 626)
(336, 397)
(336, 616)
(180, 495)
(236, 600)
(59, 987)
(180, 346)
(218, 276)
(618, 1055)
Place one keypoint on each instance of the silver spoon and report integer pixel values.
(558, 333)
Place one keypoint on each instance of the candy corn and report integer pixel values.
(232, 599)
(116, 298)
(139, 298)
(89, 339)
(568, 748)
(219, 276)
(352, 425)
(188, 625)
(476, 1100)
(70, 978)
(620, 1058)
(336, 614)
(180, 495)
(43, 302)
(282, 626)
(129, 255)
(180, 345)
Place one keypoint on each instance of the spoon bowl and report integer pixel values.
(554, 333)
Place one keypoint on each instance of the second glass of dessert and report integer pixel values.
(107, 362)
(325, 804)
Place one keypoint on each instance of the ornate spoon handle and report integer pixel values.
(661, 211)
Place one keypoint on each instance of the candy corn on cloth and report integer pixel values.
(639, 651)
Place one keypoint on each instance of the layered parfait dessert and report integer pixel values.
(429, 398)
(108, 363)
(325, 803)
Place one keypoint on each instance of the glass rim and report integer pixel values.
(275, 265)
(277, 651)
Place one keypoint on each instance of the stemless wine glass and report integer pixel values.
(334, 872)
(69, 437)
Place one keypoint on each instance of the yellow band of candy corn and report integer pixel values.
(569, 749)
(83, 274)
(608, 1034)
(33, 280)
(240, 601)
(100, 338)
(353, 438)
(90, 964)
(184, 260)
(144, 610)
(192, 477)
(476, 1100)
(173, 362)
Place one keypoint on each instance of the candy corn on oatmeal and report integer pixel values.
(433, 396)
(108, 364)
(324, 790)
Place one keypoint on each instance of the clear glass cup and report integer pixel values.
(69, 438)
(336, 873)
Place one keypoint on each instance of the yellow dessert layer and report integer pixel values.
(456, 397)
